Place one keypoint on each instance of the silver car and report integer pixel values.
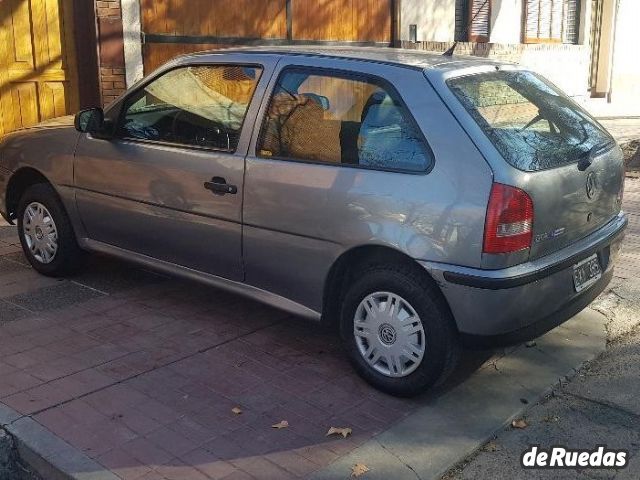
(412, 201)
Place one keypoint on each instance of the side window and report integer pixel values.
(341, 119)
(202, 106)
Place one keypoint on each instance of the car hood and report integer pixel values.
(66, 121)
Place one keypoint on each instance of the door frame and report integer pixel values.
(85, 32)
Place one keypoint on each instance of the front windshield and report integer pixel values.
(531, 123)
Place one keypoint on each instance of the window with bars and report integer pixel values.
(551, 21)
(473, 20)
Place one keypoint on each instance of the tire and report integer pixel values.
(413, 294)
(68, 256)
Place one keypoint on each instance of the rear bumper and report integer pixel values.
(497, 307)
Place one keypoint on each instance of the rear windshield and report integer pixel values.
(532, 124)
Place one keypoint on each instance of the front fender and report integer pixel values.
(50, 151)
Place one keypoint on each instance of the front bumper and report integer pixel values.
(4, 181)
(497, 307)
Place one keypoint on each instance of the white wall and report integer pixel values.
(506, 21)
(625, 84)
(435, 19)
(131, 27)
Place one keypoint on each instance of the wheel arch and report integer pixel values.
(355, 259)
(22, 179)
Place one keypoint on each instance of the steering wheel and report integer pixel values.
(175, 125)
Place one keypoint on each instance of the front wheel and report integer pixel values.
(398, 331)
(46, 234)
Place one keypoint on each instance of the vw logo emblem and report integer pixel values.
(591, 185)
(387, 334)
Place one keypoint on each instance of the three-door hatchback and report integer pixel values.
(415, 202)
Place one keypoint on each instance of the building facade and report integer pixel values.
(66, 54)
(587, 47)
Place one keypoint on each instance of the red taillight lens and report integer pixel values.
(509, 223)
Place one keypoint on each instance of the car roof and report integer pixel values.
(418, 59)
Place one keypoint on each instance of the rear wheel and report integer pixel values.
(46, 234)
(398, 331)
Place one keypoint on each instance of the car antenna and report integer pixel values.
(452, 49)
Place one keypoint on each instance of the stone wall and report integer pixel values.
(565, 65)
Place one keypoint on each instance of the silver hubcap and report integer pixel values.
(389, 334)
(40, 232)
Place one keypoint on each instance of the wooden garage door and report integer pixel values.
(173, 27)
(37, 65)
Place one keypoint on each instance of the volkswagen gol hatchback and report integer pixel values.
(413, 201)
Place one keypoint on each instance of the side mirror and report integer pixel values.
(90, 120)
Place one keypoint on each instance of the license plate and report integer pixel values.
(586, 273)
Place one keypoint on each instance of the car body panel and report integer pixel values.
(47, 148)
(563, 212)
(519, 296)
(149, 197)
(307, 214)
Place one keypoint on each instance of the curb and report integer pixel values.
(48, 455)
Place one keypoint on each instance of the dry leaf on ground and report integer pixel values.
(282, 424)
(491, 447)
(236, 410)
(345, 432)
(520, 423)
(359, 469)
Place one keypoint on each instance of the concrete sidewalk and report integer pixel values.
(599, 407)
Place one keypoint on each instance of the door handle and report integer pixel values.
(219, 186)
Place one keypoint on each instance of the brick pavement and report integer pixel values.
(141, 372)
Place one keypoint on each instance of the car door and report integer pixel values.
(337, 160)
(168, 185)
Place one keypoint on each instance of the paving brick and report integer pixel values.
(262, 468)
(81, 383)
(209, 464)
(239, 475)
(10, 312)
(137, 421)
(318, 454)
(115, 399)
(158, 412)
(124, 464)
(6, 369)
(148, 375)
(179, 470)
(80, 411)
(54, 420)
(172, 441)
(293, 462)
(54, 297)
(16, 382)
(152, 476)
(189, 428)
(225, 448)
(146, 452)
(58, 368)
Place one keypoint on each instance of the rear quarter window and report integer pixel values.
(532, 124)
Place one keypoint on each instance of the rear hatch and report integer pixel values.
(568, 164)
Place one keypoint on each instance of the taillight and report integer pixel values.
(509, 223)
